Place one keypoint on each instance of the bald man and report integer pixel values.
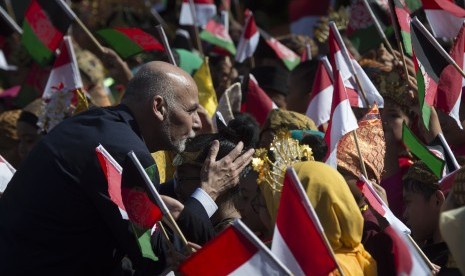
(56, 217)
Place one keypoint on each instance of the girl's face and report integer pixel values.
(393, 117)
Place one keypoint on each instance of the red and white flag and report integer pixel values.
(65, 76)
(249, 38)
(449, 94)
(113, 172)
(319, 106)
(302, 247)
(257, 102)
(444, 16)
(447, 182)
(349, 67)
(406, 258)
(204, 11)
(342, 119)
(245, 255)
(379, 205)
(6, 173)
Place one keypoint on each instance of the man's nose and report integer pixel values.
(197, 123)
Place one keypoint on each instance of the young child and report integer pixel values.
(423, 201)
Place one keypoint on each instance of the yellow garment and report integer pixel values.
(207, 94)
(164, 161)
(339, 215)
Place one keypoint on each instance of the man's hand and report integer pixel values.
(218, 176)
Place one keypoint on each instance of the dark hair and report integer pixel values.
(425, 189)
(318, 145)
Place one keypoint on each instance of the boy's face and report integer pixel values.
(421, 214)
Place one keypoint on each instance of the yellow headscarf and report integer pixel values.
(339, 215)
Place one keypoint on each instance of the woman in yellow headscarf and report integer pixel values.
(339, 215)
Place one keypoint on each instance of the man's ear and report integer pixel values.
(439, 198)
(159, 107)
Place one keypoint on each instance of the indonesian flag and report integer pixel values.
(65, 76)
(235, 251)
(379, 205)
(302, 247)
(342, 64)
(304, 14)
(6, 173)
(342, 120)
(204, 11)
(449, 180)
(448, 97)
(249, 38)
(444, 17)
(319, 107)
(406, 258)
(257, 102)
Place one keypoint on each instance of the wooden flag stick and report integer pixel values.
(398, 38)
(153, 191)
(422, 254)
(359, 152)
(378, 28)
(164, 40)
(436, 45)
(10, 21)
(71, 14)
(196, 28)
(308, 48)
(449, 151)
(10, 10)
(345, 54)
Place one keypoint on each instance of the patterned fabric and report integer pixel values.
(289, 120)
(420, 172)
(372, 146)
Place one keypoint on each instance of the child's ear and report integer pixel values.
(439, 198)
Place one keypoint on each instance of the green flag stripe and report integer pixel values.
(38, 51)
(407, 40)
(434, 163)
(291, 64)
(143, 240)
(425, 108)
(211, 38)
(122, 44)
(365, 39)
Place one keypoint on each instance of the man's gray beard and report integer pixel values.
(178, 146)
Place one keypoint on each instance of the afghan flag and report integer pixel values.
(204, 11)
(403, 20)
(289, 58)
(444, 17)
(130, 41)
(449, 95)
(45, 24)
(113, 173)
(6, 173)
(246, 255)
(216, 34)
(304, 14)
(429, 64)
(319, 107)
(303, 246)
(249, 39)
(434, 163)
(207, 93)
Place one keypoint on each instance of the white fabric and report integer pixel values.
(319, 108)
(203, 12)
(284, 254)
(5, 176)
(259, 264)
(444, 24)
(247, 47)
(207, 202)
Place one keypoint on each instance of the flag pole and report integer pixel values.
(345, 54)
(9, 7)
(164, 40)
(422, 254)
(71, 14)
(395, 24)
(308, 48)
(10, 21)
(449, 151)
(378, 28)
(158, 200)
(436, 45)
(196, 28)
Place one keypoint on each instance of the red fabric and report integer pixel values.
(251, 28)
(446, 5)
(64, 57)
(402, 255)
(113, 176)
(42, 26)
(304, 8)
(258, 103)
(372, 200)
(141, 210)
(141, 38)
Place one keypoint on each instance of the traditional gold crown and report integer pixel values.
(271, 163)
(340, 17)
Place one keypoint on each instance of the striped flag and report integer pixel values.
(130, 41)
(342, 119)
(249, 38)
(449, 95)
(207, 94)
(204, 11)
(6, 173)
(403, 20)
(302, 247)
(130, 202)
(216, 34)
(246, 255)
(288, 57)
(45, 24)
(256, 102)
(444, 17)
(319, 107)
(304, 14)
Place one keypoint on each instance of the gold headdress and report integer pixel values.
(271, 166)
(340, 17)
(372, 147)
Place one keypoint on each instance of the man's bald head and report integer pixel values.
(156, 78)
